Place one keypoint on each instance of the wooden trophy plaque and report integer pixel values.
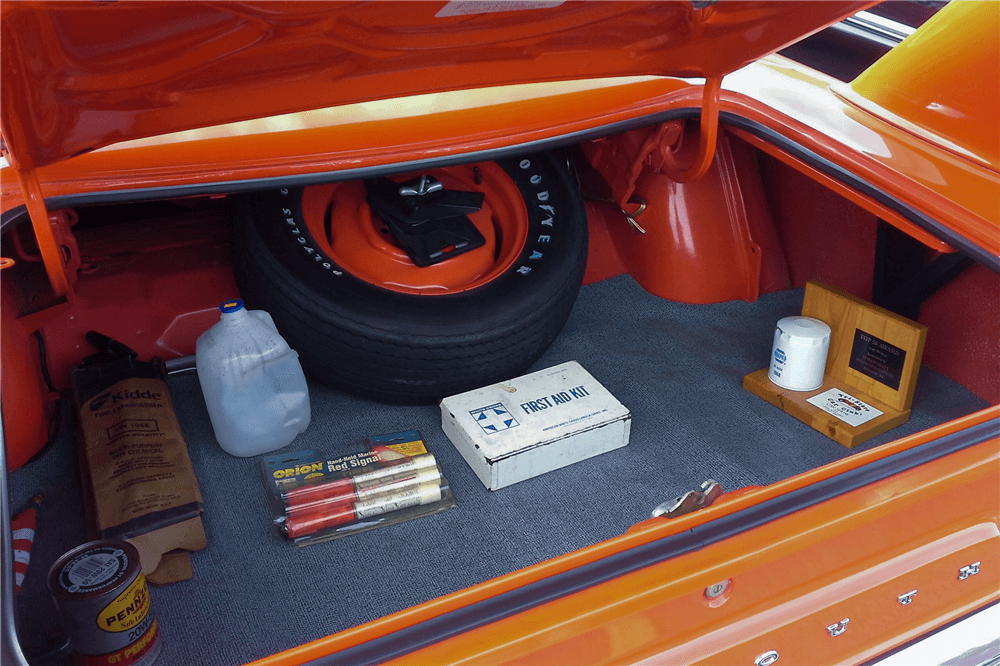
(871, 369)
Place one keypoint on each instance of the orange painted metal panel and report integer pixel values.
(945, 511)
(883, 211)
(790, 100)
(603, 260)
(942, 84)
(79, 76)
(154, 287)
(850, 557)
(26, 399)
(698, 246)
(415, 129)
(798, 103)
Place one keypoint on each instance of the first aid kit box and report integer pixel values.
(516, 430)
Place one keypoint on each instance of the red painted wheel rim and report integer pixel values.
(355, 240)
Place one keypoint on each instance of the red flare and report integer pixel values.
(23, 537)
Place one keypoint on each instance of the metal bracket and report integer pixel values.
(48, 244)
(621, 159)
(690, 501)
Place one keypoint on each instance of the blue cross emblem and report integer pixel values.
(494, 418)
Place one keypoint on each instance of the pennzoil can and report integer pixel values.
(103, 601)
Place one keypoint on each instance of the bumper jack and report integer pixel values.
(429, 222)
(690, 501)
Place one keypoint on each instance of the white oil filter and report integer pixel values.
(798, 357)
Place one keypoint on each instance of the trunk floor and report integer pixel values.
(677, 367)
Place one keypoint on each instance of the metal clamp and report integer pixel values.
(690, 501)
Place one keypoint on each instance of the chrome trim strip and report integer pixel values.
(973, 640)
(874, 28)
(888, 27)
(10, 646)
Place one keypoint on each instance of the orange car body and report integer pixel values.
(913, 140)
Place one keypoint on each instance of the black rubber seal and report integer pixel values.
(555, 587)
(935, 228)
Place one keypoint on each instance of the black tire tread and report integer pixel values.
(330, 343)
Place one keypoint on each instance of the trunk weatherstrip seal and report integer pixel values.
(487, 611)
(935, 228)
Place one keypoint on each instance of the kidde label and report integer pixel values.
(128, 609)
(93, 570)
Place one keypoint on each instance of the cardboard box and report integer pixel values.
(534, 424)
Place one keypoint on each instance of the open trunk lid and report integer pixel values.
(78, 76)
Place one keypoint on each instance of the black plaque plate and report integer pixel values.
(877, 359)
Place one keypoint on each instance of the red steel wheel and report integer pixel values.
(364, 317)
(340, 219)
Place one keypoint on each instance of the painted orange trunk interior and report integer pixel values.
(761, 219)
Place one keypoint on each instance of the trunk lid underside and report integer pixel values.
(80, 76)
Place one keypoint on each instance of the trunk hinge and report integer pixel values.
(49, 246)
(690, 501)
(671, 149)
(685, 169)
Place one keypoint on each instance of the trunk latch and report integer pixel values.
(690, 501)
(429, 222)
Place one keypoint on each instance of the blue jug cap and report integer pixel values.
(234, 305)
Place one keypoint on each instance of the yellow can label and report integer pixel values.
(128, 609)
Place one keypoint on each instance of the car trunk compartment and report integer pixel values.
(677, 366)
(254, 594)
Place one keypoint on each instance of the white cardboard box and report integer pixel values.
(530, 425)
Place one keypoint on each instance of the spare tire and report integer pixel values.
(364, 318)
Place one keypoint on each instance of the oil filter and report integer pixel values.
(798, 356)
(103, 602)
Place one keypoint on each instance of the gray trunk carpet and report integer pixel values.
(677, 367)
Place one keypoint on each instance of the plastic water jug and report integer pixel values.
(253, 384)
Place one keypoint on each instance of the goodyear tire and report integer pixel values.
(364, 319)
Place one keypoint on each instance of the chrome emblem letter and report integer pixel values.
(970, 570)
(839, 628)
